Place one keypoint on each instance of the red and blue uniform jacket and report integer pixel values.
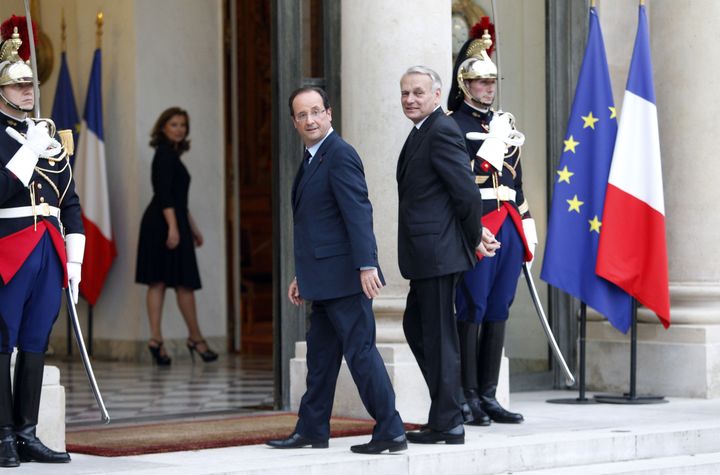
(51, 184)
(495, 211)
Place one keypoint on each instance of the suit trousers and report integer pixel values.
(345, 327)
(430, 329)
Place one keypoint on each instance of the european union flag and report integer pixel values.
(575, 224)
(64, 111)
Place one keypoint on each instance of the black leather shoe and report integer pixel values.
(296, 441)
(467, 413)
(397, 444)
(479, 417)
(498, 413)
(32, 450)
(8, 451)
(454, 436)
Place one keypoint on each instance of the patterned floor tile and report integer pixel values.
(135, 392)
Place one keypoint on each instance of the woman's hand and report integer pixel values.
(197, 237)
(173, 238)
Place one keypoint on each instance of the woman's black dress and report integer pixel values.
(155, 262)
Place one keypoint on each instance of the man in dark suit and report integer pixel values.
(337, 268)
(438, 233)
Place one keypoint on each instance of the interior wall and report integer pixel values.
(150, 62)
(179, 62)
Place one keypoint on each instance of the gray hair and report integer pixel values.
(435, 77)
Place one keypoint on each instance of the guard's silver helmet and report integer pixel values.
(477, 64)
(13, 70)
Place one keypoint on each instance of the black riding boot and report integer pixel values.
(8, 447)
(492, 338)
(468, 334)
(26, 405)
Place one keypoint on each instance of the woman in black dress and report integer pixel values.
(168, 236)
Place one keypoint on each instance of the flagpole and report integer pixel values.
(581, 399)
(99, 20)
(631, 397)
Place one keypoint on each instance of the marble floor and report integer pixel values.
(141, 392)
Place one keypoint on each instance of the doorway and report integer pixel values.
(252, 169)
(272, 47)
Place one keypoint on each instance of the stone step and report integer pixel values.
(689, 447)
(682, 464)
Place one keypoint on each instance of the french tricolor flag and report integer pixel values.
(91, 182)
(633, 250)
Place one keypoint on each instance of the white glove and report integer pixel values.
(75, 249)
(37, 137)
(530, 237)
(36, 142)
(500, 135)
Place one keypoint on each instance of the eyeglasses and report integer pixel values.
(304, 116)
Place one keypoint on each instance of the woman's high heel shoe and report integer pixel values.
(159, 356)
(207, 356)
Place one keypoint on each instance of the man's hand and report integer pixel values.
(294, 293)
(370, 282)
(74, 271)
(531, 237)
(37, 137)
(501, 135)
(488, 244)
(75, 251)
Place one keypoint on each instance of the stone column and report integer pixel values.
(683, 360)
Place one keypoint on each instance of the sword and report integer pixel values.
(33, 60)
(72, 311)
(570, 379)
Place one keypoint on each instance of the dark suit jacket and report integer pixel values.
(332, 223)
(440, 206)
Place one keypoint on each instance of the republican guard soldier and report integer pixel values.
(41, 251)
(485, 293)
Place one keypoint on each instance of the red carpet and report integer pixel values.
(198, 434)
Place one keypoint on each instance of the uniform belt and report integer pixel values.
(43, 209)
(502, 193)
